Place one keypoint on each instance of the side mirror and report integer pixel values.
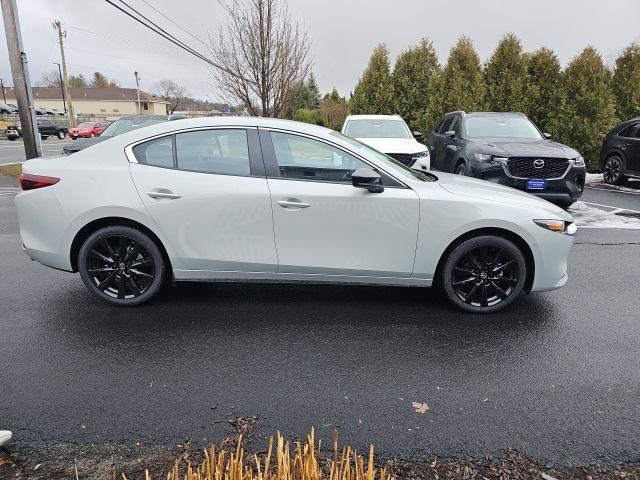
(417, 135)
(547, 135)
(450, 133)
(367, 178)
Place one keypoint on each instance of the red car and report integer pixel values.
(86, 130)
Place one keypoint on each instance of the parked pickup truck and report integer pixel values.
(45, 128)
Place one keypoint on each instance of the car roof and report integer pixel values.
(140, 134)
(495, 114)
(373, 117)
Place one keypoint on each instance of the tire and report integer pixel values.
(121, 281)
(12, 139)
(61, 134)
(461, 169)
(44, 137)
(613, 170)
(466, 274)
(92, 135)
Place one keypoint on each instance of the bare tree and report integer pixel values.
(259, 55)
(171, 92)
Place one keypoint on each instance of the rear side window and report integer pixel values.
(629, 132)
(214, 151)
(158, 152)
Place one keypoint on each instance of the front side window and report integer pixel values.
(214, 151)
(455, 126)
(628, 132)
(307, 159)
(158, 152)
(444, 126)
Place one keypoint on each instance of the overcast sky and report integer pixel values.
(343, 33)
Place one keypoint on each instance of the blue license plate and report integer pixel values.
(536, 184)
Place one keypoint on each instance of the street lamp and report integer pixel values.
(64, 98)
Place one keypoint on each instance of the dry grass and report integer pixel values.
(11, 170)
(287, 462)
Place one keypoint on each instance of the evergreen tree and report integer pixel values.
(626, 82)
(462, 85)
(314, 92)
(587, 110)
(506, 77)
(414, 77)
(544, 75)
(100, 80)
(77, 81)
(374, 92)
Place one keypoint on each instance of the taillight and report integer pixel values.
(31, 182)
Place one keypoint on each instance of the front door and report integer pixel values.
(325, 226)
(207, 192)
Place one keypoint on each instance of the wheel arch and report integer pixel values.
(99, 223)
(499, 232)
(610, 153)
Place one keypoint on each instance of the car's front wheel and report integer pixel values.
(612, 170)
(484, 274)
(121, 265)
(461, 169)
(61, 134)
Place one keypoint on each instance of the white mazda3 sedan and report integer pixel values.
(272, 200)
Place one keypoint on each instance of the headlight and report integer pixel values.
(578, 161)
(560, 226)
(420, 154)
(482, 157)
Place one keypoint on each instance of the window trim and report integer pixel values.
(635, 129)
(256, 162)
(273, 172)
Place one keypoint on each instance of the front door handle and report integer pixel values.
(163, 194)
(293, 204)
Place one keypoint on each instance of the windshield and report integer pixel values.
(377, 129)
(393, 165)
(85, 125)
(501, 126)
(125, 125)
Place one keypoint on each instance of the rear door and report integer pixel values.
(207, 192)
(327, 227)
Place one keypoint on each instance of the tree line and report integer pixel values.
(578, 105)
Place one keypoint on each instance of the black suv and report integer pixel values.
(621, 152)
(45, 128)
(507, 148)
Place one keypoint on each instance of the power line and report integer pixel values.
(176, 24)
(160, 31)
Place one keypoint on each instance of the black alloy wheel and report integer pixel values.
(121, 265)
(484, 274)
(461, 169)
(612, 170)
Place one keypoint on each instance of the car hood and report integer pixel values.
(394, 145)
(532, 148)
(485, 190)
(82, 143)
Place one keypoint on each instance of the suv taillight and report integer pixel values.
(31, 182)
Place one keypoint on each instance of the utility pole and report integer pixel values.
(4, 99)
(21, 82)
(137, 75)
(61, 34)
(64, 98)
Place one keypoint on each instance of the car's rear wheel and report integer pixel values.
(613, 171)
(121, 265)
(484, 274)
(61, 134)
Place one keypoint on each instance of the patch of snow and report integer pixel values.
(593, 178)
(588, 216)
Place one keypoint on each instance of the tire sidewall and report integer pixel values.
(61, 134)
(142, 239)
(460, 250)
(461, 168)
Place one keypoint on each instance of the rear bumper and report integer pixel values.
(567, 189)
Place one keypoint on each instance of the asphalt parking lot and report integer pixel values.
(13, 151)
(556, 375)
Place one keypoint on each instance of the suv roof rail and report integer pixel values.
(456, 111)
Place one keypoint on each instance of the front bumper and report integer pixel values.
(564, 190)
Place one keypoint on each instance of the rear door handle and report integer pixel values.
(163, 194)
(293, 204)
